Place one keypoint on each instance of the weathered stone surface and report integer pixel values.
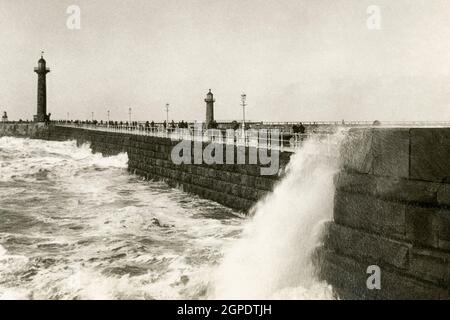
(368, 213)
(430, 151)
(30, 130)
(348, 278)
(409, 168)
(264, 184)
(356, 151)
(396, 285)
(410, 191)
(430, 265)
(367, 247)
(443, 217)
(443, 194)
(398, 189)
(236, 186)
(422, 226)
(391, 152)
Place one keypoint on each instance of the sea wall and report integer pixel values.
(391, 210)
(24, 130)
(238, 186)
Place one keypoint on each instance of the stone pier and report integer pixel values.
(392, 210)
(238, 186)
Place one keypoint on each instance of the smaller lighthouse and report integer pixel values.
(42, 71)
(209, 108)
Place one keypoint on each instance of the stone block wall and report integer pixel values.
(391, 210)
(238, 186)
(24, 130)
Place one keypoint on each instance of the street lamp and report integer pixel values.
(92, 115)
(243, 103)
(129, 115)
(167, 115)
(108, 117)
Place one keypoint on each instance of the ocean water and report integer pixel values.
(76, 225)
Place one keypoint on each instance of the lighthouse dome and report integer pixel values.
(209, 96)
(42, 61)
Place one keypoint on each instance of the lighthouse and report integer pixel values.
(42, 71)
(209, 109)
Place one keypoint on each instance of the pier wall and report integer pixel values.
(24, 130)
(392, 210)
(237, 186)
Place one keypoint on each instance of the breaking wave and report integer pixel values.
(272, 259)
(76, 225)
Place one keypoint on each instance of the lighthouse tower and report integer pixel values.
(42, 71)
(209, 108)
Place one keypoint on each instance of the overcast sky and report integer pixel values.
(295, 59)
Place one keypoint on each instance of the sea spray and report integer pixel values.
(272, 259)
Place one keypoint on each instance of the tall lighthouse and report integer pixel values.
(42, 71)
(209, 109)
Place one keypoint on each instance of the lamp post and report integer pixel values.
(243, 103)
(108, 118)
(129, 116)
(92, 116)
(67, 118)
(167, 115)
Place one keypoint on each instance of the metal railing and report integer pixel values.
(270, 139)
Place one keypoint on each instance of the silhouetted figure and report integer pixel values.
(300, 128)
(213, 125)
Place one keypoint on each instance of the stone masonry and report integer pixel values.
(392, 209)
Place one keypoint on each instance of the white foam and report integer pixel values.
(115, 216)
(38, 158)
(273, 257)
